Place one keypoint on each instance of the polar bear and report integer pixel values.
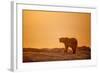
(69, 42)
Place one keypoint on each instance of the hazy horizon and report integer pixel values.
(42, 29)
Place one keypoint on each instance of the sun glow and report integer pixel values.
(42, 29)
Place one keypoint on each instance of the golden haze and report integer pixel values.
(42, 29)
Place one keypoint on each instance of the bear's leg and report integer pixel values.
(66, 48)
(74, 50)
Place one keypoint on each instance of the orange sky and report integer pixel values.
(42, 29)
